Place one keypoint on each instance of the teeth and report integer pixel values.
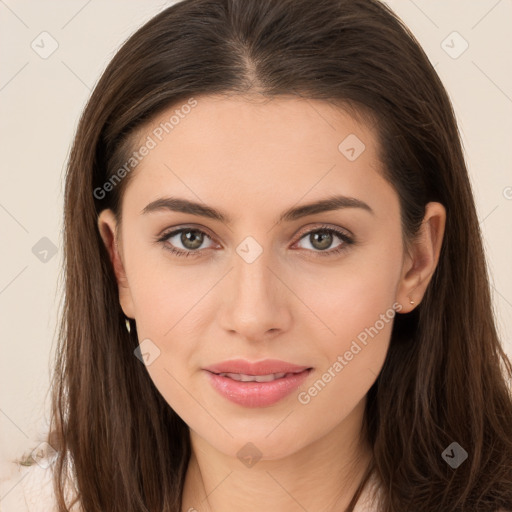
(254, 378)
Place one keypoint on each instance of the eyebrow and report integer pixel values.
(176, 204)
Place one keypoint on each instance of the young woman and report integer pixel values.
(276, 291)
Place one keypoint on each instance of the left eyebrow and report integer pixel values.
(186, 206)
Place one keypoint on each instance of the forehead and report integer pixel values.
(259, 149)
(239, 124)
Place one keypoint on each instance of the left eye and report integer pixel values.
(321, 239)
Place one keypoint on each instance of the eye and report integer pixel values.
(321, 239)
(190, 239)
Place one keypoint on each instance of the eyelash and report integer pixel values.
(347, 241)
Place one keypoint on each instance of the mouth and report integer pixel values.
(258, 390)
(267, 368)
(242, 377)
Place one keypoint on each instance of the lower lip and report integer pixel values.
(257, 394)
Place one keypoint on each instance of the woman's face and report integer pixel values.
(257, 284)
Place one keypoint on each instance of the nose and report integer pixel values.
(256, 304)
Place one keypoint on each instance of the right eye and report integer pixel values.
(189, 238)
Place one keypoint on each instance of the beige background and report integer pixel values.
(41, 99)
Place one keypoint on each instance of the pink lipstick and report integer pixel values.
(256, 384)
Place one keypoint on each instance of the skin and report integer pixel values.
(254, 159)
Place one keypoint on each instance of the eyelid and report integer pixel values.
(327, 227)
(167, 232)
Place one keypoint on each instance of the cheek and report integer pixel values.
(356, 307)
(351, 358)
(163, 291)
(345, 299)
(167, 301)
(172, 304)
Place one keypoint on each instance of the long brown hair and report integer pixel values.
(445, 376)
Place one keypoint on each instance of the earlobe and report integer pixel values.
(107, 226)
(421, 263)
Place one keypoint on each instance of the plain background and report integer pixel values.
(42, 96)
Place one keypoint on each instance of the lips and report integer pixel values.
(258, 384)
(265, 367)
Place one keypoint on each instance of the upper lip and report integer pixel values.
(265, 367)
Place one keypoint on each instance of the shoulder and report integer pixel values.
(28, 487)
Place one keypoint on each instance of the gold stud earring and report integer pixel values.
(127, 323)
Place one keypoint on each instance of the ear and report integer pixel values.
(421, 261)
(107, 226)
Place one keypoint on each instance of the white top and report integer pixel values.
(30, 489)
(27, 488)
